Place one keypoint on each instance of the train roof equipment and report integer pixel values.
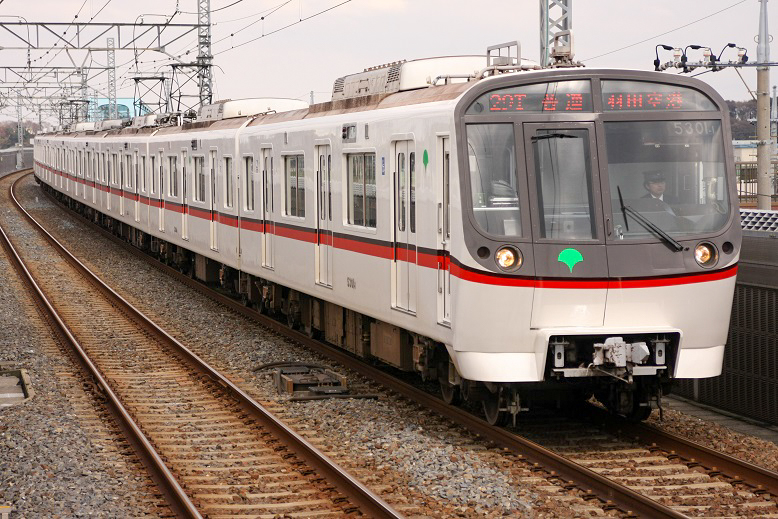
(400, 76)
(229, 109)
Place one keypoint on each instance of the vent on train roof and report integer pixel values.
(229, 108)
(400, 76)
(759, 220)
(338, 87)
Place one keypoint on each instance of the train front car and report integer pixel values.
(600, 239)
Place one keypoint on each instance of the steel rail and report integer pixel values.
(176, 497)
(753, 475)
(611, 493)
(369, 503)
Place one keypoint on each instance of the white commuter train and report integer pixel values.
(517, 234)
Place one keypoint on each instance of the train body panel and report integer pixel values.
(506, 223)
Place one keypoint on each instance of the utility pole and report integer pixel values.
(764, 188)
(550, 26)
(19, 133)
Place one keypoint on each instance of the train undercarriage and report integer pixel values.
(568, 385)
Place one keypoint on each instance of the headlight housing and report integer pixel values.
(508, 258)
(706, 254)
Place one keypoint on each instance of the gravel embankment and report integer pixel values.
(418, 462)
(58, 458)
(742, 446)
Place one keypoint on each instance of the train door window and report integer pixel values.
(248, 174)
(446, 198)
(153, 173)
(228, 182)
(173, 178)
(199, 174)
(361, 189)
(412, 189)
(161, 175)
(564, 184)
(132, 180)
(295, 185)
(89, 173)
(402, 192)
(143, 173)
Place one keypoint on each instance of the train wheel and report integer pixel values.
(492, 412)
(451, 393)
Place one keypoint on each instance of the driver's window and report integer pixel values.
(564, 183)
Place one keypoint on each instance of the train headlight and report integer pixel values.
(706, 254)
(508, 258)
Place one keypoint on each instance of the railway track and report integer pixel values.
(213, 450)
(651, 474)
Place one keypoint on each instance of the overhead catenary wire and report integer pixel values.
(285, 27)
(665, 33)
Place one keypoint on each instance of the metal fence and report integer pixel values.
(746, 182)
(748, 384)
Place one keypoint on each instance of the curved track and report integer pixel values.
(704, 473)
(212, 449)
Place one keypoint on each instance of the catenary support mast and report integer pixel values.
(764, 188)
(555, 16)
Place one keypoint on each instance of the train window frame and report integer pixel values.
(228, 166)
(172, 171)
(249, 184)
(610, 206)
(298, 210)
(350, 194)
(592, 179)
(199, 173)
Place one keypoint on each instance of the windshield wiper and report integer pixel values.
(648, 224)
(537, 138)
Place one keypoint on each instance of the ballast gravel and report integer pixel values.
(414, 460)
(425, 466)
(51, 465)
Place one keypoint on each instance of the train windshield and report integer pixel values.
(671, 172)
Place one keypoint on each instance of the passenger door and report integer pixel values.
(185, 169)
(324, 216)
(404, 212)
(268, 236)
(214, 214)
(444, 233)
(571, 264)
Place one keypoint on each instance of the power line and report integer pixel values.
(665, 33)
(288, 26)
(272, 11)
(219, 9)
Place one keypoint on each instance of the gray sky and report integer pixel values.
(310, 55)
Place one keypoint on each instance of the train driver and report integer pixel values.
(657, 199)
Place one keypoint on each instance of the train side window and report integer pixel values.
(228, 180)
(248, 174)
(295, 185)
(493, 178)
(361, 189)
(199, 173)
